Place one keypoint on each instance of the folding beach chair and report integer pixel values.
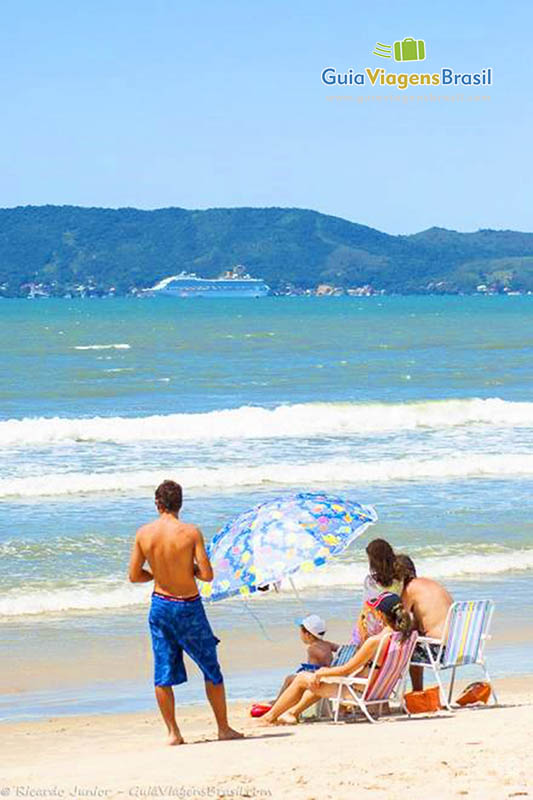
(382, 683)
(342, 655)
(466, 632)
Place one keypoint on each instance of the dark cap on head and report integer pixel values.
(385, 602)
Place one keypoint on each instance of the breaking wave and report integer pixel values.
(117, 594)
(228, 476)
(306, 420)
(102, 347)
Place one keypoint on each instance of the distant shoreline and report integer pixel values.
(304, 293)
(62, 250)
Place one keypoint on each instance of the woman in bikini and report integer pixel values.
(308, 687)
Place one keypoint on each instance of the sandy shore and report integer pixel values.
(475, 753)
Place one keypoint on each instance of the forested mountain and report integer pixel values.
(63, 247)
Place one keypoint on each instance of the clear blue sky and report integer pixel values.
(152, 103)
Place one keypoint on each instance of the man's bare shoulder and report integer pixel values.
(425, 583)
(424, 586)
(145, 532)
(186, 531)
(156, 529)
(419, 586)
(191, 531)
(147, 528)
(408, 594)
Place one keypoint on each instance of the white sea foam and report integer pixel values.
(96, 598)
(102, 347)
(287, 421)
(323, 473)
(117, 594)
(464, 565)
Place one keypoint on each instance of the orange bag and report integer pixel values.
(423, 702)
(478, 692)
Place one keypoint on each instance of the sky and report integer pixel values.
(155, 103)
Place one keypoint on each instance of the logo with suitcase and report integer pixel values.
(407, 49)
(405, 52)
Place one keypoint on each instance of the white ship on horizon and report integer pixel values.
(235, 282)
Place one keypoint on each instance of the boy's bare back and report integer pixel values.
(321, 652)
(176, 554)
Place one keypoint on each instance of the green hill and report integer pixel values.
(62, 247)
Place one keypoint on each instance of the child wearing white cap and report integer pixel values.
(319, 654)
(319, 650)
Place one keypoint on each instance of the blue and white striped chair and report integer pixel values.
(344, 654)
(323, 707)
(466, 632)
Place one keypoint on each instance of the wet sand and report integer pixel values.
(46, 656)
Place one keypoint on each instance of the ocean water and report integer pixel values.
(421, 406)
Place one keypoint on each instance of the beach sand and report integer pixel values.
(475, 753)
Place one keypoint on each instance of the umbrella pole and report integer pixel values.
(295, 590)
(258, 620)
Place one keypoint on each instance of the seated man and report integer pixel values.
(428, 602)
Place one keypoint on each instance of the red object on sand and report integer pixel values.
(478, 692)
(258, 709)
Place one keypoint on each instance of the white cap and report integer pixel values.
(314, 624)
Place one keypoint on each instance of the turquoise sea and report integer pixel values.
(421, 406)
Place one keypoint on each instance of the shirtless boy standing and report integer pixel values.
(176, 554)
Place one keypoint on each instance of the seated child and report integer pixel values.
(319, 650)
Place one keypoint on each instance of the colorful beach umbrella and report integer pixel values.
(278, 538)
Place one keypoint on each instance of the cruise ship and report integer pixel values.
(234, 282)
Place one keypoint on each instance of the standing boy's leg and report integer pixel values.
(165, 701)
(216, 694)
(169, 669)
(200, 643)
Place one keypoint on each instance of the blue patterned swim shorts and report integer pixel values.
(179, 626)
(420, 654)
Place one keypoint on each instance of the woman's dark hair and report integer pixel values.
(169, 496)
(382, 561)
(405, 568)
